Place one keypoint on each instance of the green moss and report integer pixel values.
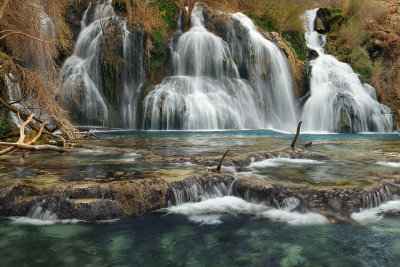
(335, 21)
(159, 42)
(263, 22)
(297, 42)
(157, 60)
(169, 12)
(361, 63)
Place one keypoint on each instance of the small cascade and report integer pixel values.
(107, 66)
(38, 213)
(338, 101)
(290, 203)
(41, 60)
(376, 198)
(207, 90)
(195, 190)
(208, 204)
(14, 94)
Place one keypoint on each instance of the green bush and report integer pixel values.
(157, 60)
(361, 63)
(159, 41)
(169, 12)
(297, 42)
(263, 22)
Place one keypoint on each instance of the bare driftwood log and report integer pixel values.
(24, 116)
(29, 146)
(218, 169)
(33, 147)
(47, 131)
(297, 135)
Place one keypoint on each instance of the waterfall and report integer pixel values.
(106, 99)
(269, 73)
(338, 98)
(207, 90)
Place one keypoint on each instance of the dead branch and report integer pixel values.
(16, 111)
(29, 146)
(7, 150)
(187, 13)
(24, 116)
(33, 147)
(22, 129)
(92, 135)
(297, 135)
(218, 169)
(222, 160)
(4, 8)
(43, 42)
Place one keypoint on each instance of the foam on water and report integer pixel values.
(374, 215)
(211, 211)
(40, 216)
(389, 164)
(294, 217)
(276, 162)
(40, 222)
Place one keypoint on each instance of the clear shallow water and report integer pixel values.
(173, 240)
(354, 158)
(156, 240)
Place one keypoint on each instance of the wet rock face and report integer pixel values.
(132, 198)
(327, 19)
(312, 54)
(75, 11)
(339, 201)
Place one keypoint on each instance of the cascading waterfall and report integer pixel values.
(85, 69)
(269, 73)
(207, 91)
(338, 100)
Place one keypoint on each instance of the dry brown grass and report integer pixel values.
(28, 54)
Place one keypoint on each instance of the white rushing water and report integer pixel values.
(207, 91)
(389, 164)
(84, 70)
(337, 95)
(374, 215)
(277, 162)
(211, 211)
(39, 216)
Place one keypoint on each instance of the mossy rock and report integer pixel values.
(120, 7)
(345, 126)
(328, 19)
(297, 41)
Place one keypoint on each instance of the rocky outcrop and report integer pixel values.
(299, 68)
(93, 202)
(327, 19)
